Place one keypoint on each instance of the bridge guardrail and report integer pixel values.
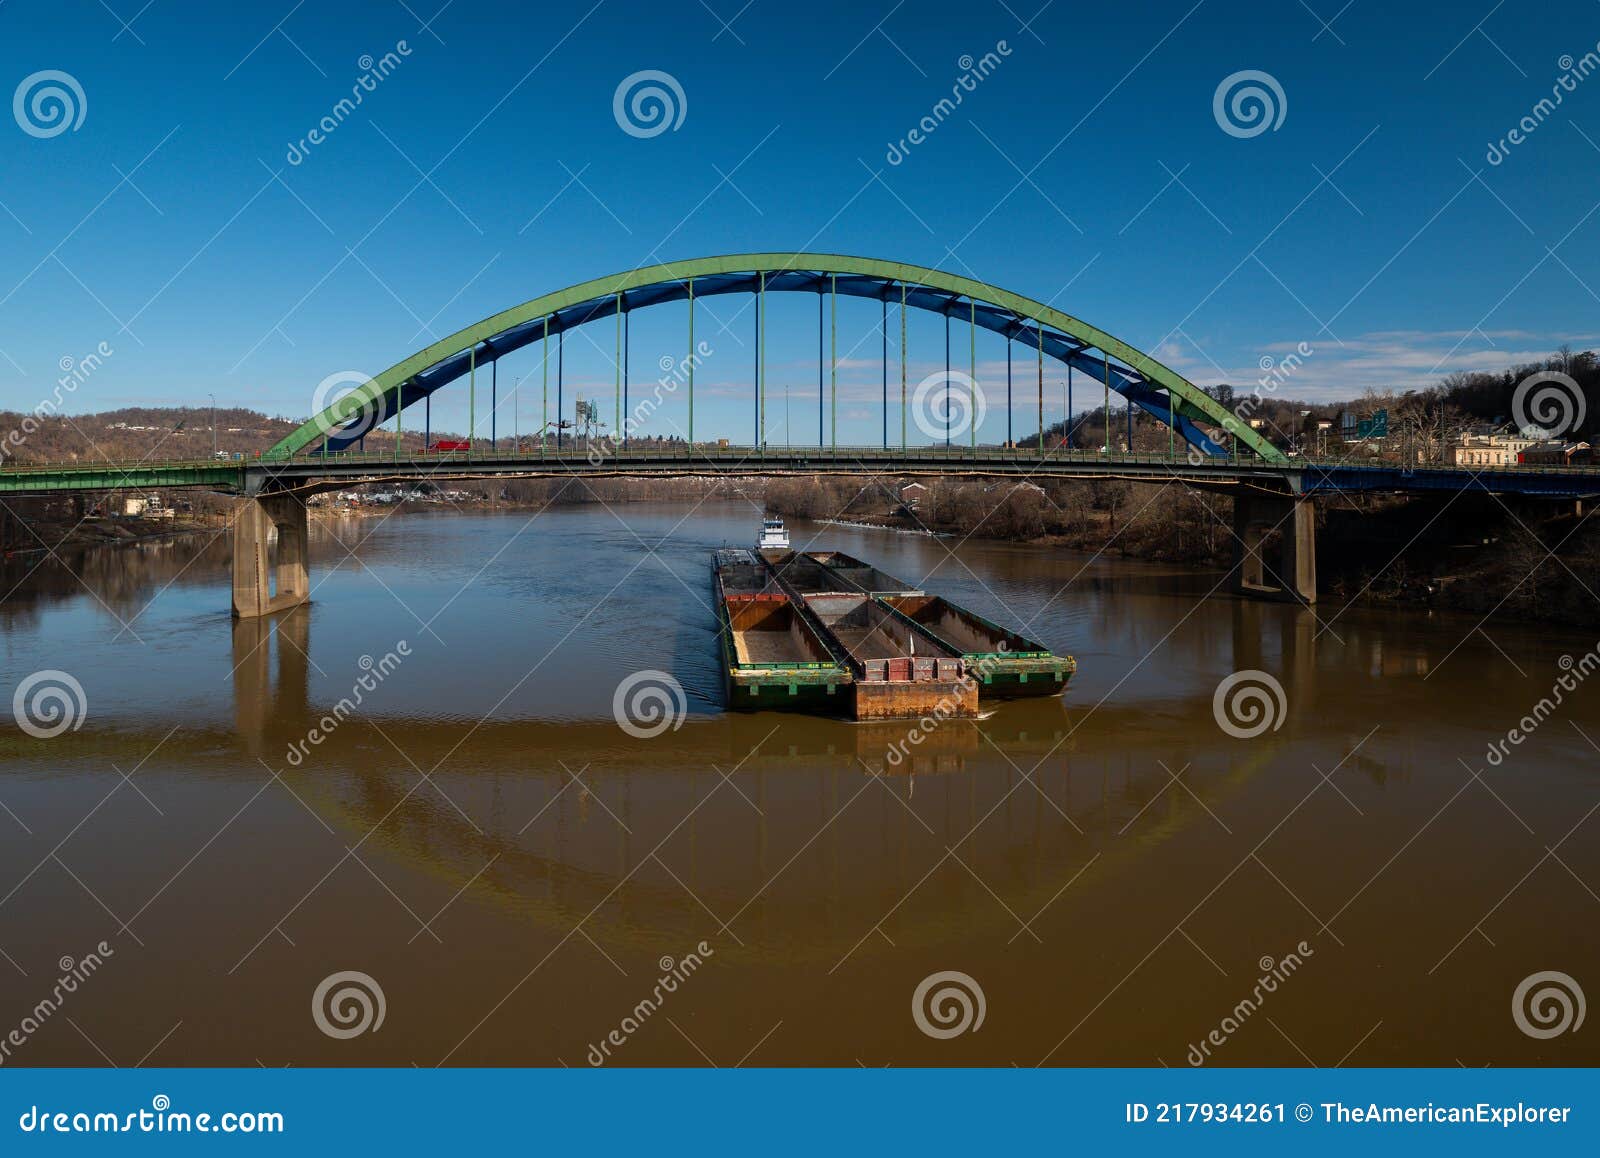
(756, 456)
(979, 454)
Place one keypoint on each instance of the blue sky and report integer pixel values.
(1087, 169)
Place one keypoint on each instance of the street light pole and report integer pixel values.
(213, 398)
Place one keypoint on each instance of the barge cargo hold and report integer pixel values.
(801, 573)
(854, 575)
(772, 657)
(898, 672)
(1003, 662)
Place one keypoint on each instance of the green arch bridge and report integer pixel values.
(1208, 444)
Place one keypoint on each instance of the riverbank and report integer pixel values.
(44, 536)
(1475, 553)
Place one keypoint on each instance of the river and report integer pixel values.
(1112, 877)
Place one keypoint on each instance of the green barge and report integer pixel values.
(1004, 663)
(772, 656)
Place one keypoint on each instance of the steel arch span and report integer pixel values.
(1139, 378)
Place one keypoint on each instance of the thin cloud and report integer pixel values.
(1381, 360)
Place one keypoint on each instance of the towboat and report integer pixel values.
(774, 535)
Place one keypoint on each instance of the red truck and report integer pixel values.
(450, 444)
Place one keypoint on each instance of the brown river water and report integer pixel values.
(1109, 877)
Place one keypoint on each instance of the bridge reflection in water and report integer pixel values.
(601, 801)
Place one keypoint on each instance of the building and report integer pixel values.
(1493, 449)
(1557, 452)
(146, 507)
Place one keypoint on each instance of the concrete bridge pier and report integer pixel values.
(260, 590)
(1255, 515)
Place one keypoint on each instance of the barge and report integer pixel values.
(824, 631)
(898, 672)
(1005, 663)
(772, 657)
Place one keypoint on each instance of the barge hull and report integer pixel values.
(766, 694)
(908, 699)
(1015, 684)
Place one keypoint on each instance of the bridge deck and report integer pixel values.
(1305, 476)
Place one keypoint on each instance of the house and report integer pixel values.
(912, 493)
(146, 507)
(1557, 452)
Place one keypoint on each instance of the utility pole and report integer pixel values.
(213, 398)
